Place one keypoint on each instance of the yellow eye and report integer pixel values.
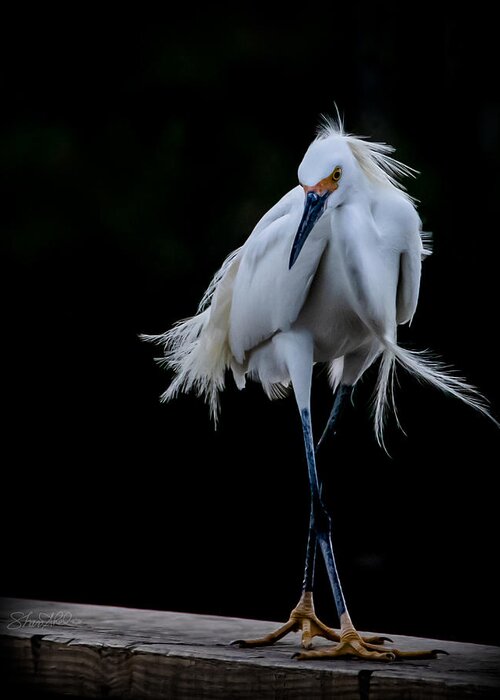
(337, 174)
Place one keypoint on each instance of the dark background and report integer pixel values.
(137, 153)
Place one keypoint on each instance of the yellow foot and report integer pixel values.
(351, 644)
(303, 619)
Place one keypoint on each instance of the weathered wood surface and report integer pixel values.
(105, 652)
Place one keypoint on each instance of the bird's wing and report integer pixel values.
(267, 296)
(400, 231)
(410, 266)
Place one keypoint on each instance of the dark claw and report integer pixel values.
(238, 643)
(440, 651)
(381, 640)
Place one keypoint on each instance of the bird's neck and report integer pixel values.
(360, 198)
(359, 193)
(354, 219)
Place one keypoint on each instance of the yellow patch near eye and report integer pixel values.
(337, 174)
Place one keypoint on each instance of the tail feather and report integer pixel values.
(425, 368)
(198, 356)
(197, 348)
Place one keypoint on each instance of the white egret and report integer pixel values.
(326, 276)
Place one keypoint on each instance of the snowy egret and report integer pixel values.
(326, 276)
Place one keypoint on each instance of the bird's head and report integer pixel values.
(327, 173)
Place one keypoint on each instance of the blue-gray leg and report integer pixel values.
(340, 399)
(320, 519)
(349, 643)
(303, 617)
(310, 563)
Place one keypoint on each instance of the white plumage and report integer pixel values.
(356, 278)
(326, 276)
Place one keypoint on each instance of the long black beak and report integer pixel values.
(314, 207)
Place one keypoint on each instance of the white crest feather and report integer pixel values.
(373, 158)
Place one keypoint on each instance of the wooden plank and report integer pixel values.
(103, 652)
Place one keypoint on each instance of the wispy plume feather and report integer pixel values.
(373, 158)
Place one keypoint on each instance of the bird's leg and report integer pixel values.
(305, 608)
(310, 563)
(297, 349)
(350, 642)
(303, 617)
